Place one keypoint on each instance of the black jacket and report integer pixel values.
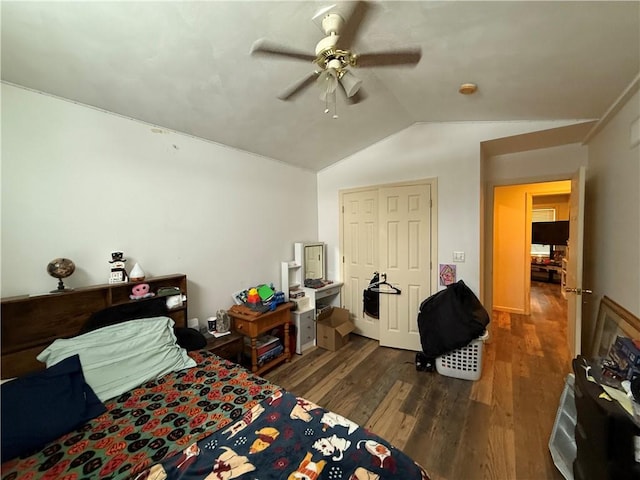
(450, 319)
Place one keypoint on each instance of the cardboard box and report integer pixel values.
(333, 327)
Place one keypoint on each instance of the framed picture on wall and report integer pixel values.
(612, 320)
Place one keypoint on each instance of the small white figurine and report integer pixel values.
(118, 270)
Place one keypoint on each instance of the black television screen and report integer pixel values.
(550, 233)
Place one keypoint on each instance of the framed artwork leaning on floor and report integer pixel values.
(612, 320)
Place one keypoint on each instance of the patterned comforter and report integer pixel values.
(148, 424)
(287, 437)
(215, 421)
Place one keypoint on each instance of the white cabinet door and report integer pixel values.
(405, 256)
(360, 252)
(388, 229)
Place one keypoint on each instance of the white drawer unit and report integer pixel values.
(329, 295)
(305, 329)
(328, 291)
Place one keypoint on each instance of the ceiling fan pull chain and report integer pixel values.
(335, 106)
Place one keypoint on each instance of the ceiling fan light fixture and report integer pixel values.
(333, 56)
(468, 88)
(350, 83)
(328, 82)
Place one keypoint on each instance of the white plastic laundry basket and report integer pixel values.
(465, 362)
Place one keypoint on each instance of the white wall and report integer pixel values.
(79, 183)
(449, 152)
(536, 165)
(612, 220)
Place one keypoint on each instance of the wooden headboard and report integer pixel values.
(30, 323)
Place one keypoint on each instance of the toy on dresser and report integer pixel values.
(118, 271)
(142, 290)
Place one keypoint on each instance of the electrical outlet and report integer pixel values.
(458, 256)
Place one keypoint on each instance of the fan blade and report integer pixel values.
(298, 87)
(389, 59)
(264, 47)
(348, 32)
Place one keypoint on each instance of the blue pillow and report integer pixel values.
(42, 406)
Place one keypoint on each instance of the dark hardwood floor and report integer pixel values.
(495, 428)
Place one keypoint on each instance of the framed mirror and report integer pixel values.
(314, 260)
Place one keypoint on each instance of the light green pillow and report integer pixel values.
(120, 357)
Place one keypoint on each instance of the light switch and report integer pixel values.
(458, 256)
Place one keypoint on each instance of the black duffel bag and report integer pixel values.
(450, 319)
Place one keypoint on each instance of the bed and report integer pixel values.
(203, 418)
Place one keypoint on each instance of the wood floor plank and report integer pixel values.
(372, 388)
(471, 457)
(323, 385)
(531, 341)
(501, 454)
(360, 392)
(389, 421)
(296, 372)
(482, 390)
(382, 420)
(528, 432)
(450, 414)
(502, 402)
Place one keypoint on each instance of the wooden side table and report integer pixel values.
(252, 326)
(228, 347)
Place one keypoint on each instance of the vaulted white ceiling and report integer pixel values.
(186, 66)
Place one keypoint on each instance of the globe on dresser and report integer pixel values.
(61, 268)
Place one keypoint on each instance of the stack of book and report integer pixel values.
(296, 292)
(268, 347)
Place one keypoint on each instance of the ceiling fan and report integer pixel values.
(334, 58)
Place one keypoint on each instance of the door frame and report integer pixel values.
(433, 183)
(488, 221)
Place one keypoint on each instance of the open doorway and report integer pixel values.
(516, 260)
(549, 240)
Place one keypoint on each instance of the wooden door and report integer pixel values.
(574, 288)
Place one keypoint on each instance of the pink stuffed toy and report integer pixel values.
(140, 291)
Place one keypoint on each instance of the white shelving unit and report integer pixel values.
(292, 275)
(292, 272)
